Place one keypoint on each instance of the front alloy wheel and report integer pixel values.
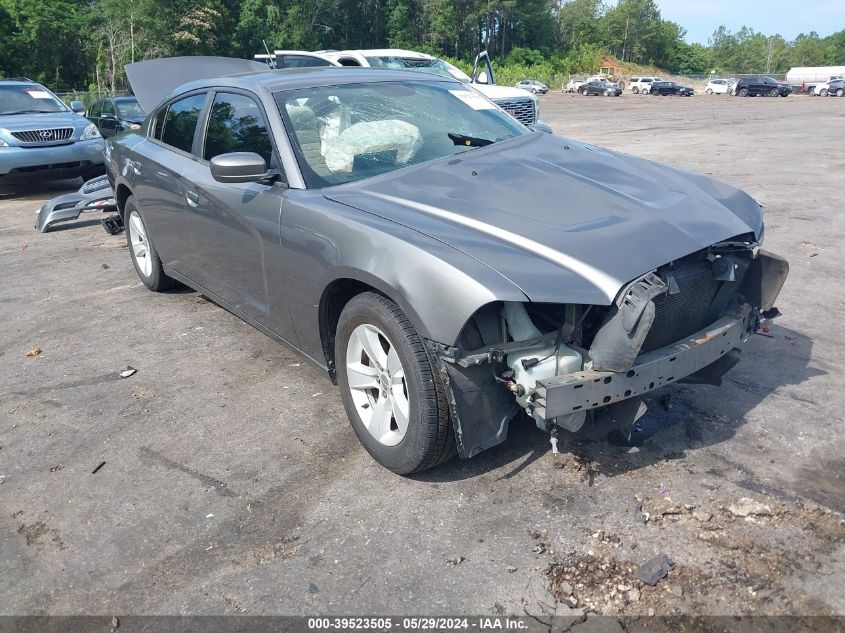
(392, 392)
(144, 255)
(140, 246)
(376, 381)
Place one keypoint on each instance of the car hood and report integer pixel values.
(562, 220)
(38, 120)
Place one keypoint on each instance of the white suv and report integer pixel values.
(642, 84)
(521, 105)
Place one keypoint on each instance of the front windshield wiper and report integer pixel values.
(469, 141)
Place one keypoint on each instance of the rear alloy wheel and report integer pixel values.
(840, 92)
(635, 90)
(774, 92)
(393, 395)
(743, 92)
(144, 255)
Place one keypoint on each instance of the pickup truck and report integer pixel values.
(520, 104)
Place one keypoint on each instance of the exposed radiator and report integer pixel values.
(684, 313)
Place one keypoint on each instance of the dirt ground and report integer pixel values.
(233, 483)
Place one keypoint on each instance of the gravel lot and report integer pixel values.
(233, 483)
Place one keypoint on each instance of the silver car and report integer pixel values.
(41, 138)
(448, 267)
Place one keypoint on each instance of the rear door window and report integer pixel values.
(108, 107)
(180, 122)
(236, 124)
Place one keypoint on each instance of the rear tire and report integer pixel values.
(840, 92)
(743, 92)
(144, 256)
(774, 92)
(635, 90)
(388, 379)
(823, 92)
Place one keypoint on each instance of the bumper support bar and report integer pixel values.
(584, 390)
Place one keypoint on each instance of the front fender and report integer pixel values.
(438, 286)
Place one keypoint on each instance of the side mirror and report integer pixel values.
(77, 106)
(238, 167)
(108, 117)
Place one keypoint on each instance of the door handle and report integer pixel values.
(192, 198)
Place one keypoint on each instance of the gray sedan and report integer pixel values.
(448, 267)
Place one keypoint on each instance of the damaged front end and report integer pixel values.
(94, 195)
(682, 322)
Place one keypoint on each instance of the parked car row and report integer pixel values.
(826, 88)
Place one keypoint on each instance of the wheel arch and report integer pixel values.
(334, 298)
(121, 195)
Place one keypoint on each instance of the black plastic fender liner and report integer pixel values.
(481, 409)
(764, 280)
(621, 336)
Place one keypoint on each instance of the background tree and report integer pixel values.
(81, 43)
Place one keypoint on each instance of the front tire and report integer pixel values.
(823, 92)
(145, 258)
(840, 92)
(391, 390)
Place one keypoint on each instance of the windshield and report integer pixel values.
(29, 98)
(350, 132)
(433, 65)
(130, 110)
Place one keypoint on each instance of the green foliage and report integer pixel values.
(81, 43)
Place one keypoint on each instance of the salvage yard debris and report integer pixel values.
(35, 351)
(655, 569)
(749, 508)
(128, 372)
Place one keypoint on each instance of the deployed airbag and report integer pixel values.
(370, 137)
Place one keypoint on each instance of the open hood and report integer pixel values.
(154, 79)
(531, 206)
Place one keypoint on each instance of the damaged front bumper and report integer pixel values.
(573, 393)
(94, 195)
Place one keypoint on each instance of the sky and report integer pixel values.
(786, 17)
